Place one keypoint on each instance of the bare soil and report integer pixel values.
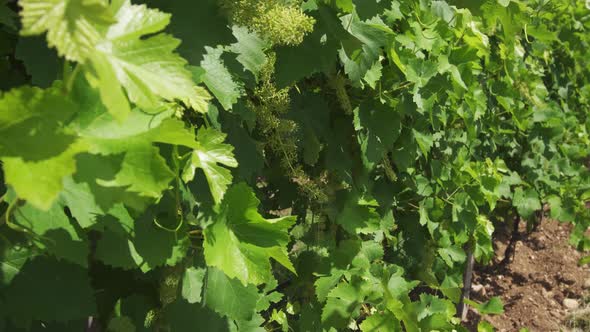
(540, 288)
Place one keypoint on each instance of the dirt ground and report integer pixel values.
(542, 289)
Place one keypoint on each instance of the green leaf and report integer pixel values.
(218, 78)
(292, 61)
(445, 67)
(359, 216)
(420, 71)
(558, 211)
(209, 153)
(526, 201)
(192, 284)
(323, 285)
(55, 231)
(41, 62)
(250, 49)
(379, 126)
(484, 326)
(116, 250)
(584, 260)
(154, 245)
(190, 16)
(143, 171)
(381, 322)
(492, 307)
(36, 151)
(430, 306)
(121, 324)
(253, 325)
(7, 16)
(452, 255)
(12, 260)
(147, 68)
(240, 242)
(32, 297)
(343, 303)
(229, 297)
(72, 27)
(182, 316)
(42, 189)
(425, 141)
(358, 62)
(110, 41)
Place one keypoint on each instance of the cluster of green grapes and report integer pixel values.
(270, 105)
(279, 21)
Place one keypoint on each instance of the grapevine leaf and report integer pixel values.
(431, 306)
(56, 233)
(445, 67)
(420, 71)
(41, 62)
(72, 26)
(558, 210)
(343, 303)
(147, 68)
(156, 246)
(444, 11)
(12, 260)
(253, 325)
(109, 136)
(182, 316)
(246, 152)
(372, 35)
(484, 326)
(379, 127)
(115, 246)
(250, 49)
(526, 201)
(310, 111)
(229, 297)
(7, 16)
(192, 284)
(241, 242)
(84, 200)
(218, 78)
(359, 216)
(121, 324)
(116, 250)
(324, 285)
(494, 306)
(41, 182)
(143, 171)
(30, 117)
(381, 322)
(209, 153)
(425, 141)
(33, 298)
(292, 61)
(190, 16)
(452, 255)
(37, 153)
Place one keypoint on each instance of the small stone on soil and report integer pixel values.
(571, 304)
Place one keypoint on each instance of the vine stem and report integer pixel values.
(72, 78)
(467, 278)
(69, 76)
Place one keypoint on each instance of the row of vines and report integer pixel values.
(279, 165)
